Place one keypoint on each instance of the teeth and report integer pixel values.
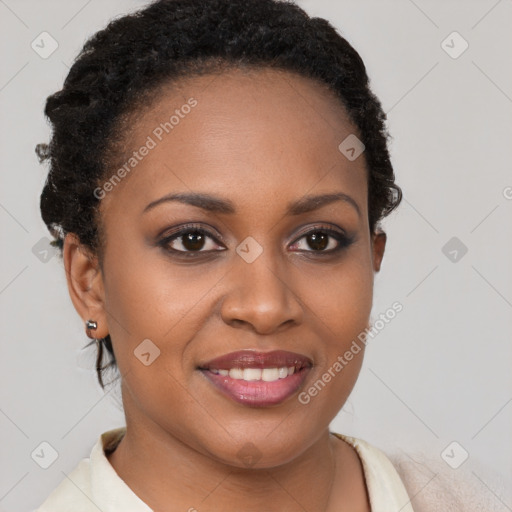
(270, 374)
(283, 372)
(252, 374)
(236, 373)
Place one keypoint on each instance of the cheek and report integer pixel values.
(149, 296)
(340, 296)
(155, 308)
(340, 304)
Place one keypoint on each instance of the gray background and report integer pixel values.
(439, 372)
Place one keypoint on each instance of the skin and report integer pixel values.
(261, 139)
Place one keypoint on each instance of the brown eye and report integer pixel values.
(322, 240)
(190, 240)
(318, 240)
(193, 241)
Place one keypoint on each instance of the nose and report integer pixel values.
(260, 296)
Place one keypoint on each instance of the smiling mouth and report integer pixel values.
(252, 374)
(258, 379)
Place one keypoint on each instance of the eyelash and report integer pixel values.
(343, 240)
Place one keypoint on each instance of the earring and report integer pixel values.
(91, 324)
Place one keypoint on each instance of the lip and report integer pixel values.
(255, 359)
(257, 393)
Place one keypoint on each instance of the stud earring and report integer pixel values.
(91, 324)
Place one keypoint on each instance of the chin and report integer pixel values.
(259, 447)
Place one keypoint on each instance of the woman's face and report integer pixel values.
(245, 264)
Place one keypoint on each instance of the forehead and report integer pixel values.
(239, 133)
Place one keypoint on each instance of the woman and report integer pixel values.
(218, 171)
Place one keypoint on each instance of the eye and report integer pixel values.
(322, 240)
(190, 239)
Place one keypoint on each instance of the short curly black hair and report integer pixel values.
(123, 65)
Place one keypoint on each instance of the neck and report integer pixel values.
(162, 470)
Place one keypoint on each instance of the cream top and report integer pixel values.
(94, 484)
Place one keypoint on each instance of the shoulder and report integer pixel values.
(434, 485)
(85, 485)
(430, 483)
(386, 491)
(73, 491)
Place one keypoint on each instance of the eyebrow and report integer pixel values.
(217, 205)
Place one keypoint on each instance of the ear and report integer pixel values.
(85, 284)
(378, 247)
